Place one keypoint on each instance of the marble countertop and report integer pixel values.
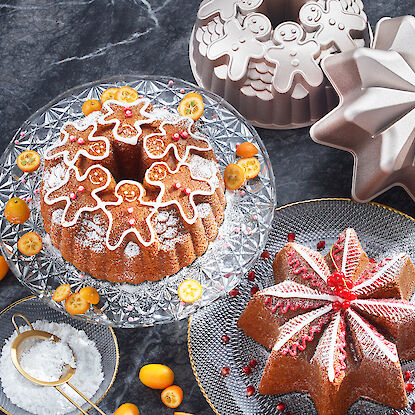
(49, 46)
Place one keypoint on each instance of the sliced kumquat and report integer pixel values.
(172, 396)
(75, 304)
(251, 166)
(108, 94)
(127, 409)
(61, 293)
(190, 291)
(191, 106)
(90, 294)
(246, 149)
(126, 94)
(234, 176)
(90, 106)
(28, 161)
(4, 268)
(30, 244)
(16, 210)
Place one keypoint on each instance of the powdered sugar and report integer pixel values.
(41, 400)
(92, 234)
(132, 250)
(204, 210)
(204, 169)
(57, 216)
(54, 176)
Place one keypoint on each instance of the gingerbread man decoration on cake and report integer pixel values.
(132, 215)
(178, 187)
(241, 43)
(176, 136)
(292, 57)
(77, 142)
(227, 9)
(334, 26)
(127, 119)
(80, 193)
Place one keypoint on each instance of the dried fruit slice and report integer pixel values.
(108, 94)
(172, 396)
(30, 244)
(75, 304)
(251, 166)
(126, 94)
(191, 106)
(62, 293)
(90, 295)
(246, 150)
(28, 161)
(189, 291)
(90, 106)
(16, 211)
(234, 176)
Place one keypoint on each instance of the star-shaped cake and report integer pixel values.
(375, 119)
(336, 325)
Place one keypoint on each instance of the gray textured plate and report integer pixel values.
(381, 231)
(242, 235)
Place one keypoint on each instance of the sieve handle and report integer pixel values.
(24, 318)
(83, 396)
(70, 400)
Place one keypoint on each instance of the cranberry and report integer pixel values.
(253, 363)
(321, 245)
(352, 296)
(281, 406)
(247, 370)
(349, 283)
(225, 371)
(265, 255)
(234, 292)
(251, 275)
(409, 387)
(331, 281)
(225, 338)
(344, 293)
(345, 305)
(337, 305)
(254, 289)
(407, 375)
(291, 237)
(413, 406)
(250, 390)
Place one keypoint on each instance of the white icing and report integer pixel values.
(131, 250)
(320, 267)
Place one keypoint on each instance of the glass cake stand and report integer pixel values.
(381, 231)
(242, 235)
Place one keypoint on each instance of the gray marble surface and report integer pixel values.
(47, 47)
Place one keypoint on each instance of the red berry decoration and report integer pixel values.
(321, 245)
(291, 237)
(265, 255)
(251, 275)
(337, 305)
(253, 363)
(254, 289)
(409, 387)
(281, 406)
(250, 390)
(413, 406)
(247, 370)
(225, 371)
(407, 375)
(234, 292)
(345, 305)
(225, 338)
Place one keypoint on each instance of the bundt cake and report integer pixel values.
(131, 192)
(336, 325)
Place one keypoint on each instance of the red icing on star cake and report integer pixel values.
(132, 192)
(333, 327)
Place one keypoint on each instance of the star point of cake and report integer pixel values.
(332, 327)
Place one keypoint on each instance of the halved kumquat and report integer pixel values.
(126, 94)
(251, 165)
(191, 106)
(108, 94)
(234, 176)
(90, 295)
(61, 293)
(75, 304)
(28, 161)
(30, 244)
(190, 291)
(172, 396)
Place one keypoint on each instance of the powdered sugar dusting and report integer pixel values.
(204, 169)
(132, 250)
(204, 210)
(54, 176)
(92, 235)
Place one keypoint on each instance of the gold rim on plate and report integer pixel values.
(117, 354)
(343, 199)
